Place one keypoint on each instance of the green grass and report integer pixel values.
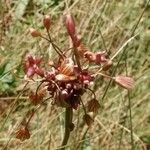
(103, 24)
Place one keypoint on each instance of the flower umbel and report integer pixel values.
(65, 79)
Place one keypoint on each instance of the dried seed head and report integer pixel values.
(47, 22)
(124, 81)
(23, 133)
(93, 106)
(34, 32)
(88, 120)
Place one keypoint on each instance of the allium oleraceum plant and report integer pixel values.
(68, 77)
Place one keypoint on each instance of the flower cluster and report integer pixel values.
(68, 77)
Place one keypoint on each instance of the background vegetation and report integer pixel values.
(103, 24)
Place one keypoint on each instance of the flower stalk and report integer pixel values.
(68, 122)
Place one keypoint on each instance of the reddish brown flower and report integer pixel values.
(22, 133)
(124, 81)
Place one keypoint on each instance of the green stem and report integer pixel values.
(68, 121)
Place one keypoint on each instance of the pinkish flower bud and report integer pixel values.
(124, 81)
(34, 32)
(47, 22)
(70, 25)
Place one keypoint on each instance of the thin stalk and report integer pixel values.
(92, 92)
(32, 114)
(131, 125)
(84, 109)
(68, 121)
(130, 111)
(49, 36)
(54, 46)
